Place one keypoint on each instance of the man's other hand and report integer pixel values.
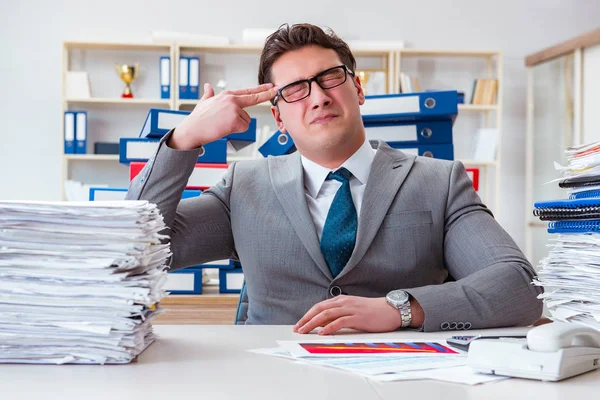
(361, 313)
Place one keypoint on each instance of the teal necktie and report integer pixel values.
(339, 232)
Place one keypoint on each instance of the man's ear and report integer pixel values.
(277, 117)
(359, 90)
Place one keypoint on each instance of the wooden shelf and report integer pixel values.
(538, 224)
(588, 39)
(72, 45)
(187, 102)
(92, 157)
(118, 100)
(257, 49)
(477, 107)
(447, 53)
(266, 104)
(228, 48)
(209, 308)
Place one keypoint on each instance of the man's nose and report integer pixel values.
(318, 96)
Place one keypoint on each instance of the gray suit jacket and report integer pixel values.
(422, 228)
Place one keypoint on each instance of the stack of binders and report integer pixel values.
(278, 144)
(570, 274)
(75, 132)
(416, 123)
(212, 161)
(189, 78)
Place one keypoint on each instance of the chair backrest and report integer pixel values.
(242, 311)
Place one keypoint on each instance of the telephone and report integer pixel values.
(551, 352)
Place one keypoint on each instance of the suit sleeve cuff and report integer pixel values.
(164, 146)
(433, 313)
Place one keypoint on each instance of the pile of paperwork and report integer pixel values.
(79, 281)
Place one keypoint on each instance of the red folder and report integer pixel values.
(203, 176)
(474, 175)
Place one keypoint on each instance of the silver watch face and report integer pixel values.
(398, 296)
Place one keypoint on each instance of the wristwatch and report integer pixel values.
(400, 299)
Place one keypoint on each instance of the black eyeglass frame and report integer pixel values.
(310, 81)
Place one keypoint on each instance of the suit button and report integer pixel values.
(460, 325)
(335, 291)
(452, 326)
(444, 326)
(467, 325)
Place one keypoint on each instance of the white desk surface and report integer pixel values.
(211, 362)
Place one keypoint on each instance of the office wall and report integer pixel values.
(31, 32)
(591, 94)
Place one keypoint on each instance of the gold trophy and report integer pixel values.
(128, 73)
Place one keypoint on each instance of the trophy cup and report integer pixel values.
(127, 73)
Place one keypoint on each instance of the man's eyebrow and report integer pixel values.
(298, 79)
(308, 77)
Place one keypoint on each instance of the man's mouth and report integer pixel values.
(322, 119)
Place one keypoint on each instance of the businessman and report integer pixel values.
(343, 233)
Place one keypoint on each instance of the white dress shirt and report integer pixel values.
(320, 193)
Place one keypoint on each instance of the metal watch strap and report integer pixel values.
(405, 314)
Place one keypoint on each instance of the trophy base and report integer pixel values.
(127, 96)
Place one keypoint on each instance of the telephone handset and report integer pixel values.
(560, 335)
(551, 352)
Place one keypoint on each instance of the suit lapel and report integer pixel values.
(287, 179)
(389, 170)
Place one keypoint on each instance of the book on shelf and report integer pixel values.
(484, 92)
(409, 84)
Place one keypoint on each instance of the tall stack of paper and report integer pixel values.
(79, 281)
(570, 274)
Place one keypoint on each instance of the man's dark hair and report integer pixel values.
(288, 38)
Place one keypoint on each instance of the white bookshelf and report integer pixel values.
(488, 116)
(119, 101)
(390, 60)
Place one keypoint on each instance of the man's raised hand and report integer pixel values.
(215, 117)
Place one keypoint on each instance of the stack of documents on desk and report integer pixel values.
(384, 360)
(583, 161)
(570, 274)
(79, 282)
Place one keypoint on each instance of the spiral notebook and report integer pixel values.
(571, 209)
(585, 194)
(583, 226)
(580, 182)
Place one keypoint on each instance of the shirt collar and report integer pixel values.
(359, 164)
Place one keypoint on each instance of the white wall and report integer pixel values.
(591, 94)
(31, 33)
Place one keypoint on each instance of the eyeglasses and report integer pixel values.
(300, 90)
